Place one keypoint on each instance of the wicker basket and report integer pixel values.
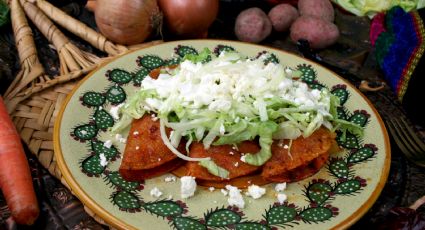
(34, 98)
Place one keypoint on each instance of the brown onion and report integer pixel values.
(188, 18)
(127, 22)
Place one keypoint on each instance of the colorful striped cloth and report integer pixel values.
(399, 40)
(399, 45)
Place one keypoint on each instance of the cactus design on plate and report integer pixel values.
(317, 214)
(119, 76)
(349, 141)
(187, 223)
(222, 218)
(116, 95)
(150, 62)
(172, 61)
(360, 117)
(281, 214)
(342, 113)
(164, 208)
(341, 92)
(140, 75)
(362, 154)
(348, 187)
(339, 168)
(91, 166)
(268, 57)
(315, 85)
(126, 201)
(308, 74)
(98, 148)
(103, 119)
(223, 48)
(115, 179)
(84, 132)
(319, 193)
(91, 98)
(185, 50)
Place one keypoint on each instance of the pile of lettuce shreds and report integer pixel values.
(230, 99)
(372, 7)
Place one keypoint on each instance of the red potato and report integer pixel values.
(15, 177)
(282, 16)
(318, 32)
(252, 25)
(317, 8)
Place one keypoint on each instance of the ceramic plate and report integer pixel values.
(337, 196)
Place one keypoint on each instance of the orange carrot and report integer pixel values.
(15, 177)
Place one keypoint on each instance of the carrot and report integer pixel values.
(15, 176)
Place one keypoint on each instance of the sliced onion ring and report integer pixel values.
(171, 147)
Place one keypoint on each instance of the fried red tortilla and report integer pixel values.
(224, 156)
(145, 154)
(306, 157)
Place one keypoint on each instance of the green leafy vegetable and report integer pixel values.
(229, 99)
(214, 169)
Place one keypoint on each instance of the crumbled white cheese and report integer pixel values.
(285, 146)
(231, 153)
(256, 191)
(224, 191)
(235, 197)
(281, 197)
(211, 189)
(103, 160)
(170, 179)
(118, 136)
(236, 164)
(108, 144)
(243, 158)
(188, 186)
(155, 192)
(137, 147)
(280, 187)
(135, 133)
(159, 158)
(114, 111)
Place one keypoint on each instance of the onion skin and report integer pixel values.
(127, 22)
(91, 5)
(188, 18)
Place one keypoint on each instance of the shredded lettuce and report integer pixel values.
(372, 7)
(266, 130)
(214, 169)
(229, 99)
(201, 57)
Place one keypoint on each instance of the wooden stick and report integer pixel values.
(70, 56)
(80, 29)
(31, 67)
(13, 102)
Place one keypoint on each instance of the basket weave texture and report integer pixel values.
(34, 98)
